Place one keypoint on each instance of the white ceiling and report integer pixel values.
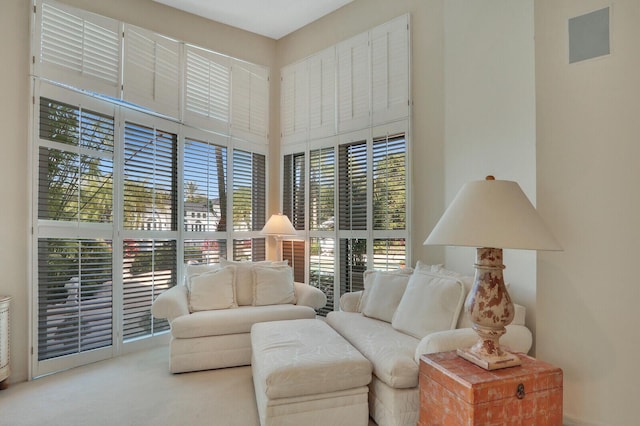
(270, 18)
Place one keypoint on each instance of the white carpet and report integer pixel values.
(133, 390)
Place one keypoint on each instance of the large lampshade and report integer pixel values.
(278, 226)
(491, 215)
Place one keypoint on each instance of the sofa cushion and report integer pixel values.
(213, 290)
(390, 351)
(369, 277)
(234, 321)
(430, 303)
(192, 270)
(385, 294)
(273, 286)
(244, 277)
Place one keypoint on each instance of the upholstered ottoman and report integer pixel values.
(304, 373)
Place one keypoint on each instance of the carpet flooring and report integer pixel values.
(133, 390)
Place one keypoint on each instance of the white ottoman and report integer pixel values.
(305, 373)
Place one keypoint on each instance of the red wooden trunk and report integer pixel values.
(454, 391)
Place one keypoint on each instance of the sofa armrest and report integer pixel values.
(349, 301)
(171, 304)
(309, 295)
(517, 339)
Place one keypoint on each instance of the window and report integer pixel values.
(205, 184)
(349, 106)
(150, 177)
(124, 195)
(249, 191)
(74, 249)
(293, 206)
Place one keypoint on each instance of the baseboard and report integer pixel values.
(572, 421)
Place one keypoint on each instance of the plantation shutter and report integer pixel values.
(79, 49)
(149, 268)
(208, 89)
(389, 253)
(249, 191)
(322, 269)
(294, 100)
(321, 189)
(250, 102)
(75, 166)
(322, 93)
(253, 249)
(152, 71)
(389, 183)
(150, 178)
(293, 197)
(294, 253)
(390, 70)
(205, 186)
(352, 181)
(74, 296)
(205, 251)
(353, 83)
(353, 254)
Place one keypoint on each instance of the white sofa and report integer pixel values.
(212, 311)
(401, 316)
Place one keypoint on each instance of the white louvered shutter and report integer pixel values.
(208, 89)
(353, 83)
(250, 102)
(295, 102)
(390, 70)
(79, 49)
(151, 71)
(322, 94)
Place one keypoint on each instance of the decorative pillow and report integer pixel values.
(368, 282)
(191, 270)
(385, 295)
(213, 290)
(244, 277)
(423, 267)
(273, 286)
(430, 303)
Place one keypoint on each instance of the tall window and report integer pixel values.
(150, 197)
(124, 197)
(74, 268)
(353, 206)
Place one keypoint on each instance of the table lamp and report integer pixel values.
(278, 226)
(491, 215)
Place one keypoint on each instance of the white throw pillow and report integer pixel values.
(191, 270)
(273, 286)
(213, 290)
(244, 278)
(385, 295)
(430, 303)
(370, 275)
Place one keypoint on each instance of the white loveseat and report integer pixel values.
(212, 311)
(402, 315)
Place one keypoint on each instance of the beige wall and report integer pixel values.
(588, 175)
(490, 116)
